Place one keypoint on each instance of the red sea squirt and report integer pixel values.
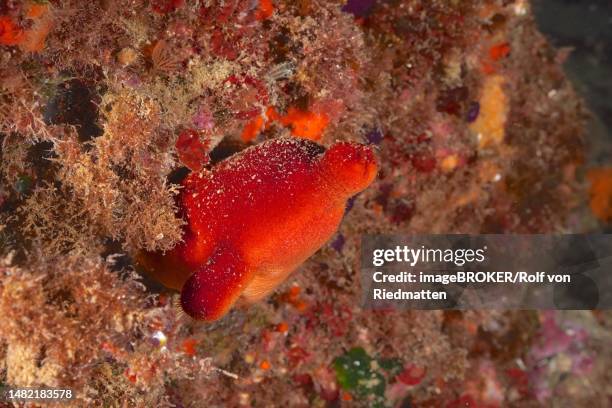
(256, 217)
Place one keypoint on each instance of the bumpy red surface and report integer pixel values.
(256, 217)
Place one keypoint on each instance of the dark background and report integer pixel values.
(585, 26)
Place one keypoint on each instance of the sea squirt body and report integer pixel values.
(257, 216)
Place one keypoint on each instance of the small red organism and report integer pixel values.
(499, 51)
(292, 297)
(496, 53)
(166, 6)
(600, 180)
(255, 218)
(412, 374)
(191, 151)
(188, 346)
(130, 376)
(264, 9)
(10, 34)
(162, 300)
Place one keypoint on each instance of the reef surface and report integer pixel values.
(106, 105)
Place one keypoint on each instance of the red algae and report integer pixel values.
(191, 151)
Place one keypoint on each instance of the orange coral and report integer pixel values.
(306, 124)
(601, 192)
(252, 129)
(36, 10)
(34, 38)
(255, 126)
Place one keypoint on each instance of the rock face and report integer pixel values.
(111, 110)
